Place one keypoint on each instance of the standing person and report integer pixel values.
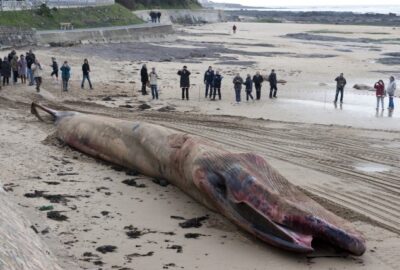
(1, 62)
(153, 83)
(217, 85)
(65, 75)
(249, 87)
(273, 83)
(234, 28)
(144, 77)
(159, 16)
(6, 71)
(54, 66)
(85, 74)
(258, 80)
(380, 93)
(11, 55)
(391, 88)
(14, 68)
(208, 80)
(237, 83)
(37, 74)
(30, 59)
(185, 82)
(340, 84)
(22, 69)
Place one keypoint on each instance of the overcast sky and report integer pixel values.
(268, 3)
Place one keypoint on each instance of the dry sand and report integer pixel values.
(346, 158)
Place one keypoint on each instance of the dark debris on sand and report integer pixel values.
(133, 183)
(178, 248)
(56, 215)
(193, 222)
(193, 235)
(106, 249)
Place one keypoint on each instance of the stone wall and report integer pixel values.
(186, 16)
(105, 35)
(21, 248)
(16, 37)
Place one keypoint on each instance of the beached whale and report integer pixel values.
(241, 186)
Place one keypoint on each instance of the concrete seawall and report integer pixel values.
(131, 33)
(21, 248)
(185, 16)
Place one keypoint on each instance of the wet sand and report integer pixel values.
(347, 158)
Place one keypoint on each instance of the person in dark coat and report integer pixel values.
(273, 82)
(11, 55)
(258, 80)
(234, 29)
(249, 87)
(208, 80)
(30, 59)
(153, 16)
(159, 17)
(6, 71)
(144, 78)
(184, 82)
(217, 85)
(85, 74)
(54, 66)
(65, 75)
(340, 84)
(237, 83)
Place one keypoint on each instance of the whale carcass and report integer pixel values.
(243, 187)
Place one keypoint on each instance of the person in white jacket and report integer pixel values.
(37, 74)
(391, 88)
(153, 83)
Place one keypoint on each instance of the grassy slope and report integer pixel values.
(159, 4)
(114, 15)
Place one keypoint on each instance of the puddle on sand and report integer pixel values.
(372, 167)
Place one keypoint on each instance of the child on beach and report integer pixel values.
(390, 91)
(54, 66)
(65, 75)
(22, 68)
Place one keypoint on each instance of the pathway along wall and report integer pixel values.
(20, 247)
(16, 37)
(132, 33)
(185, 16)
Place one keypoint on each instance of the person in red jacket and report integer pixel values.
(380, 93)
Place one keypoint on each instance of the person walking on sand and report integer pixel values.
(340, 84)
(6, 71)
(14, 68)
(237, 84)
(380, 94)
(184, 82)
(65, 75)
(153, 83)
(30, 59)
(85, 74)
(249, 87)
(208, 80)
(217, 85)
(1, 62)
(273, 83)
(391, 89)
(234, 28)
(22, 69)
(54, 66)
(144, 77)
(258, 80)
(37, 74)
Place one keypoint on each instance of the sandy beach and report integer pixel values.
(346, 157)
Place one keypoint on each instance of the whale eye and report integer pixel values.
(218, 182)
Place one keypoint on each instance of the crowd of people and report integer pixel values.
(28, 67)
(381, 91)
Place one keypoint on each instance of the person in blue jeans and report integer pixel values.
(208, 81)
(85, 74)
(249, 87)
(390, 90)
(238, 82)
(153, 83)
(65, 75)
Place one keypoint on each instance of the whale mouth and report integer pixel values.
(250, 218)
(239, 191)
